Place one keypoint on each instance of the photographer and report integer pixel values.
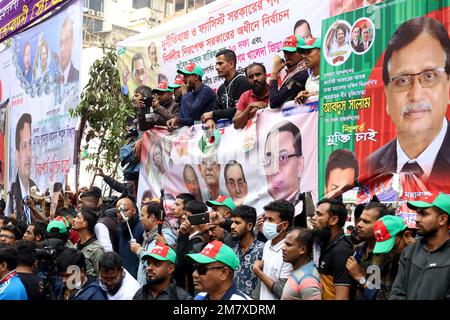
(191, 239)
(46, 254)
(25, 260)
(155, 107)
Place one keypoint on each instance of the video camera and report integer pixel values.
(45, 253)
(46, 256)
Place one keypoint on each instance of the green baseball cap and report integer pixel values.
(222, 201)
(191, 68)
(311, 44)
(161, 252)
(216, 251)
(385, 230)
(163, 87)
(439, 200)
(179, 80)
(291, 43)
(58, 224)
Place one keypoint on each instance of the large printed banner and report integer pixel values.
(15, 15)
(384, 96)
(254, 29)
(5, 64)
(274, 157)
(44, 84)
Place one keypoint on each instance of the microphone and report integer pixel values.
(161, 213)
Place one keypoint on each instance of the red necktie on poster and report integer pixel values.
(411, 177)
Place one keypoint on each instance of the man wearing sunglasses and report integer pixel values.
(160, 270)
(214, 270)
(416, 70)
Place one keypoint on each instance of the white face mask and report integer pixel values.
(270, 230)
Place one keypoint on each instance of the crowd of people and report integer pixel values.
(95, 248)
(98, 250)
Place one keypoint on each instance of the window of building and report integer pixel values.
(92, 25)
(179, 5)
(139, 4)
(96, 5)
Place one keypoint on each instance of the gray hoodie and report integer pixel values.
(423, 275)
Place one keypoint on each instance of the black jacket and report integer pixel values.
(228, 95)
(184, 270)
(171, 293)
(159, 116)
(288, 91)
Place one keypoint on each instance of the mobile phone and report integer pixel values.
(200, 218)
(148, 101)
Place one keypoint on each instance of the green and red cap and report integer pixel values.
(179, 80)
(435, 199)
(161, 252)
(222, 201)
(191, 68)
(385, 230)
(58, 224)
(291, 43)
(216, 251)
(163, 87)
(313, 43)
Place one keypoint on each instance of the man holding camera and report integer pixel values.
(155, 108)
(191, 239)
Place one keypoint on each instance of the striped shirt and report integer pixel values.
(303, 284)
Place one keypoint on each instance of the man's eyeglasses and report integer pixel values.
(209, 162)
(427, 79)
(283, 158)
(202, 269)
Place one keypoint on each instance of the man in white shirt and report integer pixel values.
(311, 54)
(114, 279)
(421, 150)
(272, 270)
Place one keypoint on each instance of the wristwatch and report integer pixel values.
(362, 281)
